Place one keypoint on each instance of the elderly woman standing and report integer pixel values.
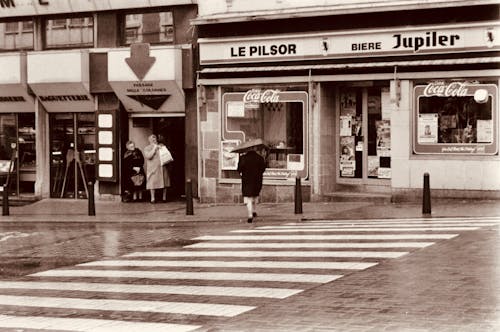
(156, 174)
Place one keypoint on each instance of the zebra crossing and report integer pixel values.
(219, 276)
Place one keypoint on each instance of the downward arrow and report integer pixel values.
(139, 61)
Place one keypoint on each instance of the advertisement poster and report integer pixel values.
(345, 125)
(427, 128)
(347, 168)
(235, 109)
(229, 159)
(373, 165)
(383, 138)
(347, 148)
(484, 131)
(384, 173)
(348, 103)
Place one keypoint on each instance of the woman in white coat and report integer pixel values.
(156, 174)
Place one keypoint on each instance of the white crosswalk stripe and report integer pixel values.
(264, 263)
(328, 237)
(338, 254)
(303, 245)
(269, 277)
(356, 229)
(278, 293)
(84, 325)
(236, 264)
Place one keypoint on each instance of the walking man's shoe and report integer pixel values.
(254, 214)
(249, 220)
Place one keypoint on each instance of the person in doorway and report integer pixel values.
(251, 167)
(133, 171)
(156, 175)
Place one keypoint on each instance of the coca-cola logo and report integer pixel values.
(442, 89)
(262, 96)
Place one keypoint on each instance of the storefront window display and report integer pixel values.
(455, 118)
(278, 117)
(18, 152)
(73, 154)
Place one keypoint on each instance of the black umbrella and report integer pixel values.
(250, 145)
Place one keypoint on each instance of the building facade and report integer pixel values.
(357, 98)
(81, 78)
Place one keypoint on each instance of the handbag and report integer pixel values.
(165, 156)
(137, 179)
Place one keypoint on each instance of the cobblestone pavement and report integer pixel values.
(316, 275)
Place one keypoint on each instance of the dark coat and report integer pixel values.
(132, 159)
(251, 167)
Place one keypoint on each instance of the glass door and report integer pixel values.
(72, 162)
(364, 135)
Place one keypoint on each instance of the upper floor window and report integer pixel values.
(70, 32)
(151, 28)
(16, 35)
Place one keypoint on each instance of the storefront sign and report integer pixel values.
(14, 97)
(147, 80)
(402, 41)
(456, 117)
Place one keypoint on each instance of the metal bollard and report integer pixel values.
(90, 188)
(5, 200)
(426, 203)
(189, 198)
(298, 196)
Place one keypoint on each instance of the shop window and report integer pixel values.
(150, 28)
(16, 35)
(72, 154)
(18, 152)
(277, 117)
(74, 32)
(455, 118)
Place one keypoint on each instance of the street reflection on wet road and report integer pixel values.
(28, 248)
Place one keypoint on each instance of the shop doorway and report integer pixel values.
(72, 154)
(364, 136)
(171, 132)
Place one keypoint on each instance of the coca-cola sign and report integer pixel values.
(443, 89)
(262, 96)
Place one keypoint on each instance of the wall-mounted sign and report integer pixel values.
(449, 118)
(147, 80)
(393, 42)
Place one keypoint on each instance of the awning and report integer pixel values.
(14, 97)
(147, 81)
(409, 63)
(60, 80)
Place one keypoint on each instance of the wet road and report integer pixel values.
(377, 275)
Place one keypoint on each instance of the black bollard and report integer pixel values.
(5, 200)
(189, 198)
(91, 198)
(298, 196)
(426, 203)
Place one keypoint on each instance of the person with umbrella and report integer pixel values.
(251, 167)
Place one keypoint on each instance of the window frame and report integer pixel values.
(281, 174)
(478, 149)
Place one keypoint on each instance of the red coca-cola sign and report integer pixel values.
(262, 96)
(443, 89)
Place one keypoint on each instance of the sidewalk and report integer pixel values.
(62, 210)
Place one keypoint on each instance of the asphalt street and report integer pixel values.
(408, 274)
